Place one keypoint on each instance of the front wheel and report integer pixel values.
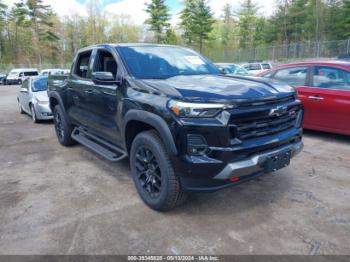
(153, 174)
(34, 117)
(20, 108)
(62, 128)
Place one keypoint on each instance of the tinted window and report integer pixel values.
(164, 62)
(82, 65)
(252, 67)
(266, 66)
(30, 73)
(294, 76)
(328, 77)
(39, 85)
(105, 62)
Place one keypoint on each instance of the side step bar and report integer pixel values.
(98, 145)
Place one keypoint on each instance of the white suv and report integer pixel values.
(16, 76)
(257, 68)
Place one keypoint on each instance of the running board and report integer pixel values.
(98, 145)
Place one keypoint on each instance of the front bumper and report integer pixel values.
(255, 164)
(43, 111)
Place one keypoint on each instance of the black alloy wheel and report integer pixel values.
(148, 171)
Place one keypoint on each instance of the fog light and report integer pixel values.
(196, 145)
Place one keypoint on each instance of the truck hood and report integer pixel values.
(219, 88)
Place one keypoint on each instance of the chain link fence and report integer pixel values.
(276, 53)
(284, 53)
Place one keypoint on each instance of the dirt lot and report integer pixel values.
(56, 200)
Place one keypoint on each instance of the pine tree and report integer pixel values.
(159, 18)
(187, 23)
(197, 21)
(247, 23)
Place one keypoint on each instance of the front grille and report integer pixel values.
(268, 102)
(258, 124)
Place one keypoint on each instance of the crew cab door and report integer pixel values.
(106, 95)
(328, 99)
(81, 90)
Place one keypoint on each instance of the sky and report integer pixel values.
(135, 8)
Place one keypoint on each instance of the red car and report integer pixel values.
(324, 88)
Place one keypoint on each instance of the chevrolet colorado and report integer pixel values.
(184, 126)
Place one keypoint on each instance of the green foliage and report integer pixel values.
(159, 18)
(197, 21)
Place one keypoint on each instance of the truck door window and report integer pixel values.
(81, 68)
(105, 62)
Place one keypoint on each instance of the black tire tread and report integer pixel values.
(68, 141)
(176, 195)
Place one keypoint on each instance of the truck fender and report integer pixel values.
(157, 122)
(56, 95)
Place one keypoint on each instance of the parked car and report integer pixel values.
(17, 76)
(3, 79)
(33, 99)
(324, 88)
(57, 71)
(231, 69)
(184, 125)
(255, 68)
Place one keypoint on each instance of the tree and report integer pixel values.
(345, 25)
(247, 23)
(40, 17)
(159, 18)
(187, 22)
(197, 21)
(170, 37)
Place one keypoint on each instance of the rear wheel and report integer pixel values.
(62, 128)
(153, 174)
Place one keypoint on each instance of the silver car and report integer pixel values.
(33, 99)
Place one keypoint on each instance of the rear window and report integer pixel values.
(266, 66)
(253, 67)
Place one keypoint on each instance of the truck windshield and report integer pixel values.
(161, 62)
(39, 85)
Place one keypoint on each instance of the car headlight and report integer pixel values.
(43, 103)
(184, 109)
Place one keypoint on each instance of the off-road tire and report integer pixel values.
(62, 128)
(171, 193)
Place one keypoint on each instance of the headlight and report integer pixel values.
(43, 103)
(184, 109)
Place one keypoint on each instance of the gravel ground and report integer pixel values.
(56, 200)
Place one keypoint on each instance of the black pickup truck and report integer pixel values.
(184, 125)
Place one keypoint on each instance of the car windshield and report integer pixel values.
(161, 62)
(13, 73)
(39, 85)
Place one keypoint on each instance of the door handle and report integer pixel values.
(89, 92)
(316, 97)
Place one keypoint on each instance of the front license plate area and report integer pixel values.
(277, 161)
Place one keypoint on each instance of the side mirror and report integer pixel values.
(23, 90)
(104, 78)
